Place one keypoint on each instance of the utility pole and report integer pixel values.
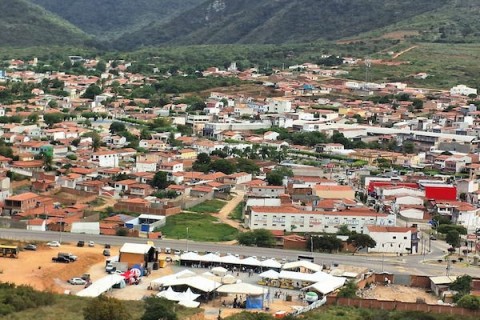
(187, 240)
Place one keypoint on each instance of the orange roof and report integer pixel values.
(332, 188)
(23, 196)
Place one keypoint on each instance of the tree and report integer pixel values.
(202, 163)
(92, 91)
(417, 104)
(96, 141)
(259, 238)
(52, 118)
(343, 230)
(463, 285)
(223, 165)
(349, 290)
(159, 309)
(276, 176)
(453, 238)
(105, 308)
(446, 228)
(360, 241)
(328, 243)
(160, 180)
(101, 66)
(408, 147)
(116, 127)
(469, 302)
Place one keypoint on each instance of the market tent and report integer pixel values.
(159, 282)
(168, 294)
(270, 274)
(328, 285)
(229, 279)
(189, 304)
(302, 264)
(271, 263)
(219, 271)
(230, 259)
(300, 276)
(242, 288)
(187, 296)
(210, 257)
(251, 261)
(190, 256)
(198, 282)
(100, 286)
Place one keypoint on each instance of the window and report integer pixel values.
(394, 237)
(405, 238)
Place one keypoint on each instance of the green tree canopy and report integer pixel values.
(159, 309)
(361, 241)
(52, 118)
(160, 180)
(92, 91)
(453, 238)
(116, 127)
(275, 177)
(259, 238)
(106, 308)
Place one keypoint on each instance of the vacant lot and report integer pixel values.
(398, 293)
(209, 206)
(201, 227)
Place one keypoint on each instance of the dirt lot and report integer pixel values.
(398, 293)
(36, 268)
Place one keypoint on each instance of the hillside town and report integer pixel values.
(303, 152)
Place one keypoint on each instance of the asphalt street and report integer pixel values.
(413, 264)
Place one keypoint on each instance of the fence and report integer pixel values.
(124, 207)
(401, 306)
(193, 202)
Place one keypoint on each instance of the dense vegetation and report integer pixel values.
(16, 299)
(127, 25)
(113, 17)
(24, 24)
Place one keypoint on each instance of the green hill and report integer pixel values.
(25, 24)
(111, 18)
(280, 21)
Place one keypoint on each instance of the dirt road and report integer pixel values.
(398, 54)
(222, 215)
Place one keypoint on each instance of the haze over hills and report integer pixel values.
(127, 25)
(25, 24)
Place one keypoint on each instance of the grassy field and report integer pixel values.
(209, 206)
(343, 313)
(201, 227)
(236, 214)
(448, 65)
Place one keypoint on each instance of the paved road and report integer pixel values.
(399, 265)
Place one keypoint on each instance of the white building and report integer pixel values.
(393, 239)
(292, 218)
(105, 159)
(146, 166)
(279, 105)
(462, 90)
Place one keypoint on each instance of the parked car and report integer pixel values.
(432, 237)
(107, 246)
(30, 247)
(168, 250)
(61, 259)
(53, 244)
(86, 276)
(69, 256)
(177, 252)
(110, 268)
(91, 244)
(81, 243)
(106, 252)
(77, 281)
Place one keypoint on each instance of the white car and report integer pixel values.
(53, 244)
(77, 281)
(91, 244)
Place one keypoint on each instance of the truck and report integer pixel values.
(112, 265)
(68, 255)
(61, 259)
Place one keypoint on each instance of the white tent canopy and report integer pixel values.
(198, 282)
(189, 304)
(300, 276)
(100, 286)
(210, 257)
(271, 263)
(187, 296)
(230, 259)
(241, 288)
(302, 264)
(190, 256)
(159, 282)
(329, 285)
(219, 271)
(168, 294)
(270, 274)
(250, 261)
(229, 279)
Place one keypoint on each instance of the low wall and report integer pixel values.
(142, 209)
(401, 306)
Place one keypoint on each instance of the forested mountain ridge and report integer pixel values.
(129, 25)
(109, 19)
(25, 24)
